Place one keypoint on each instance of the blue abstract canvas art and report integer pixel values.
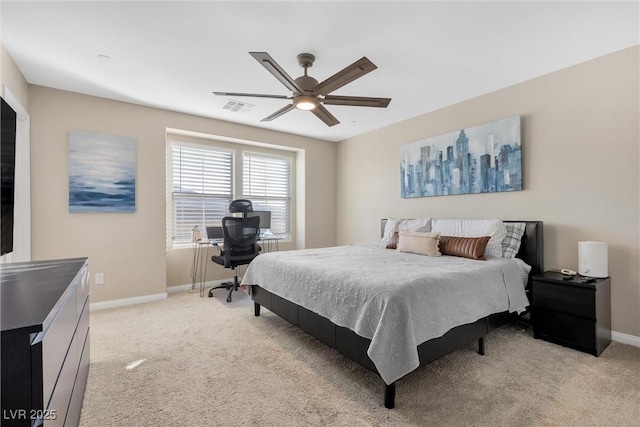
(479, 159)
(102, 173)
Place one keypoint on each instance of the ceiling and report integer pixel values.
(174, 54)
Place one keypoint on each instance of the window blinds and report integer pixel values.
(202, 187)
(267, 183)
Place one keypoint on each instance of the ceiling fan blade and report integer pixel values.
(278, 113)
(255, 95)
(356, 101)
(344, 76)
(324, 115)
(272, 66)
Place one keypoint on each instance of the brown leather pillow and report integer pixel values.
(467, 247)
(393, 243)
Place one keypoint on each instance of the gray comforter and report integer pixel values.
(397, 300)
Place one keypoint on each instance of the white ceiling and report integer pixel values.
(173, 54)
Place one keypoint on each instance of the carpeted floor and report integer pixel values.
(191, 361)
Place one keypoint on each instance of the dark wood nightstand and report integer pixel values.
(572, 313)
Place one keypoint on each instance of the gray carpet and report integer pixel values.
(191, 361)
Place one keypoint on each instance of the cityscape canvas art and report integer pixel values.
(102, 173)
(479, 159)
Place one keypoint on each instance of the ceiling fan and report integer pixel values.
(310, 95)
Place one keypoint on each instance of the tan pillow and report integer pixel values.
(467, 247)
(418, 242)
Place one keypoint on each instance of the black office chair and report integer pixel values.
(240, 247)
(241, 206)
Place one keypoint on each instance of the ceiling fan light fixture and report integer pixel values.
(309, 95)
(305, 102)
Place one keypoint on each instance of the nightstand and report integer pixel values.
(571, 313)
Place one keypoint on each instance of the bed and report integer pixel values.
(382, 315)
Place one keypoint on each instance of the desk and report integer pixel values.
(198, 272)
(201, 257)
(270, 244)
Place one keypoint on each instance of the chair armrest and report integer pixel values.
(217, 246)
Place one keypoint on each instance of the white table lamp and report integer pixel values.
(593, 259)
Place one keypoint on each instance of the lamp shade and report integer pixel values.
(593, 259)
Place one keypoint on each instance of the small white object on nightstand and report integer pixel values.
(593, 259)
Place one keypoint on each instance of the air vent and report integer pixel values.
(237, 106)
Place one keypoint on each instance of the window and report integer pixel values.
(267, 183)
(202, 187)
(202, 182)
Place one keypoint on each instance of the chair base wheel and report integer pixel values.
(228, 299)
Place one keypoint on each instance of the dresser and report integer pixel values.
(570, 312)
(45, 341)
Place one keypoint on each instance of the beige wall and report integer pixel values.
(130, 249)
(580, 136)
(580, 154)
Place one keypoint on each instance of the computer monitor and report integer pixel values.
(265, 218)
(214, 233)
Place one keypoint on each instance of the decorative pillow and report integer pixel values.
(393, 225)
(467, 247)
(494, 228)
(419, 243)
(390, 228)
(511, 243)
(393, 243)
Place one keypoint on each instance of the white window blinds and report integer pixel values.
(202, 187)
(267, 183)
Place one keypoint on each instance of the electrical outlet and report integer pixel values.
(99, 278)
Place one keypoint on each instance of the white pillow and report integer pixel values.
(392, 226)
(474, 228)
(420, 224)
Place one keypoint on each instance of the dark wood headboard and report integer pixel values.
(531, 249)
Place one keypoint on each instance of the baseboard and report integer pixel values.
(126, 301)
(149, 298)
(625, 338)
(178, 288)
(187, 287)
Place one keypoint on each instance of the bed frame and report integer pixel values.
(355, 347)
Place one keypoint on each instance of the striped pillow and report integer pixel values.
(474, 228)
(466, 247)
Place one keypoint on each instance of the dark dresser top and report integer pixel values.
(30, 290)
